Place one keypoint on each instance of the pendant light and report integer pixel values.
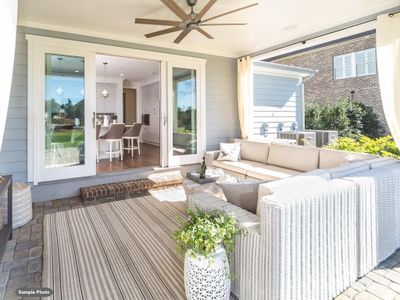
(59, 90)
(105, 92)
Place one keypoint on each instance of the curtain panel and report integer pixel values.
(245, 95)
(388, 59)
(8, 25)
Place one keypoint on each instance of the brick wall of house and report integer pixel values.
(323, 88)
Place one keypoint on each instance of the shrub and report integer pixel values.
(383, 146)
(203, 232)
(350, 118)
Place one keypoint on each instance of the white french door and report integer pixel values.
(186, 112)
(63, 108)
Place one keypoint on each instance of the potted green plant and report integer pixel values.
(207, 240)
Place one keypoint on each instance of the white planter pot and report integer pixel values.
(207, 278)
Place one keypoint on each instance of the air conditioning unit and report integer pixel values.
(325, 137)
(303, 138)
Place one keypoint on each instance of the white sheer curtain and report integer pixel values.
(8, 25)
(388, 58)
(245, 95)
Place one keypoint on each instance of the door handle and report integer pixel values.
(94, 120)
(165, 120)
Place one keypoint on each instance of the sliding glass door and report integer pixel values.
(185, 119)
(63, 113)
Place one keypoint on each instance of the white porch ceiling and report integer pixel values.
(270, 23)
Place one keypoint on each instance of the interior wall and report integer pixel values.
(109, 104)
(129, 106)
(150, 104)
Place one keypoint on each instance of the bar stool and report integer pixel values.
(114, 135)
(133, 134)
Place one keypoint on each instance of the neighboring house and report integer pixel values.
(278, 99)
(346, 69)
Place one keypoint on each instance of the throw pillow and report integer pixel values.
(242, 194)
(349, 159)
(229, 152)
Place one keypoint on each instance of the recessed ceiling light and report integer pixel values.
(76, 71)
(122, 75)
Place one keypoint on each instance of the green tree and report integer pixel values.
(350, 118)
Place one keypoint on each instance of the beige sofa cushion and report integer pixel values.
(298, 158)
(239, 166)
(329, 158)
(289, 185)
(255, 169)
(268, 172)
(255, 151)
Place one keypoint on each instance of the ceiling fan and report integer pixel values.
(188, 22)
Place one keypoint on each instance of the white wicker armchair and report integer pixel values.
(302, 246)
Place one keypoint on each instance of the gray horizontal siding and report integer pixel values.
(13, 155)
(221, 110)
(277, 104)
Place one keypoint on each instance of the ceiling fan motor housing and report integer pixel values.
(191, 2)
(188, 21)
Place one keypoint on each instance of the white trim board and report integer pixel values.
(260, 67)
(37, 43)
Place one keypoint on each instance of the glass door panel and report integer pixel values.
(185, 119)
(185, 111)
(64, 111)
(64, 89)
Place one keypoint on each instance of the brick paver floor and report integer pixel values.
(22, 263)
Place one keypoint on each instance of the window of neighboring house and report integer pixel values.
(360, 63)
(365, 62)
(343, 66)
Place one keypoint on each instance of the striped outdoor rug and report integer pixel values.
(116, 250)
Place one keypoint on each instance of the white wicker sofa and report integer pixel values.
(315, 233)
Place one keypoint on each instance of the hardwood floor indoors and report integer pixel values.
(150, 156)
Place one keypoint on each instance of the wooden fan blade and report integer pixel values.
(157, 22)
(176, 9)
(203, 32)
(161, 32)
(230, 12)
(205, 10)
(222, 24)
(181, 36)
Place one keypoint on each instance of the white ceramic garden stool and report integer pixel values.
(207, 279)
(22, 204)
